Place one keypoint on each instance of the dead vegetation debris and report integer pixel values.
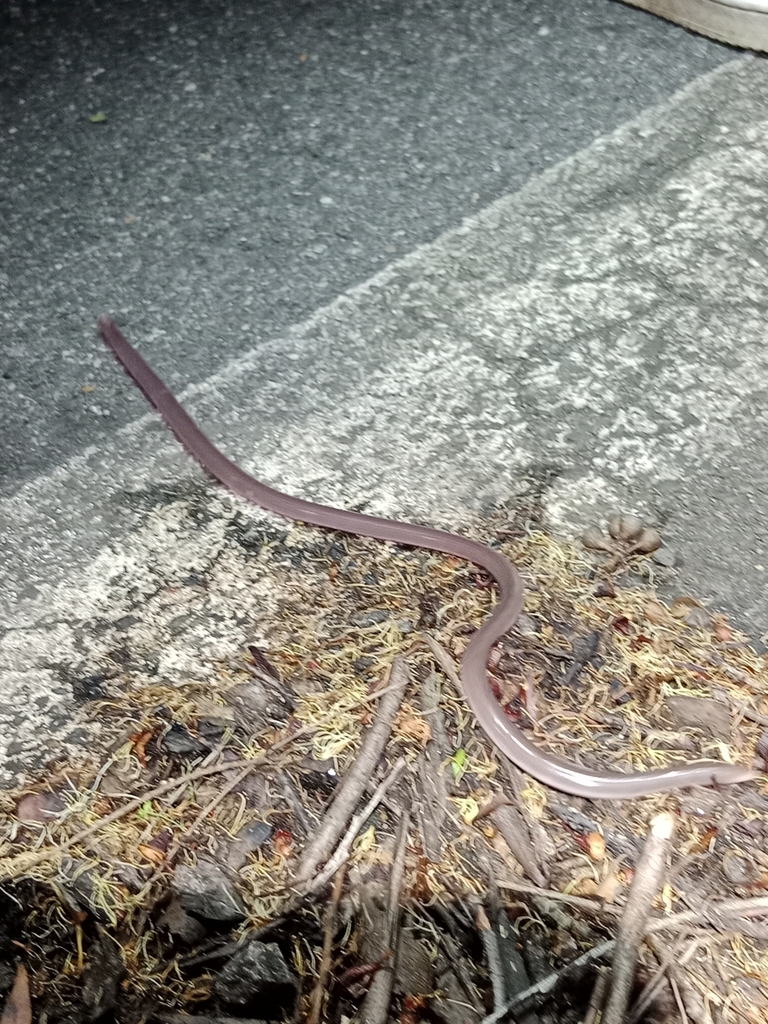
(320, 831)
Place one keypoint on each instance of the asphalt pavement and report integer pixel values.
(256, 159)
(414, 258)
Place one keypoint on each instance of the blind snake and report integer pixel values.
(549, 768)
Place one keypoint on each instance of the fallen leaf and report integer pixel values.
(18, 1007)
(459, 762)
(722, 629)
(157, 847)
(584, 887)
(593, 845)
(88, 388)
(98, 118)
(39, 807)
(151, 854)
(262, 664)
(656, 613)
(700, 844)
(139, 741)
(622, 625)
(609, 887)
(415, 728)
(146, 811)
(638, 641)
(468, 808)
(711, 716)
(130, 218)
(283, 841)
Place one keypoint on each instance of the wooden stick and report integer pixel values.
(648, 878)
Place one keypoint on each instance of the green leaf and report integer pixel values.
(98, 118)
(459, 762)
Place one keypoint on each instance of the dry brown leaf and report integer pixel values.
(585, 887)
(39, 807)
(594, 845)
(151, 853)
(609, 887)
(722, 629)
(414, 728)
(139, 741)
(18, 1008)
(656, 613)
(283, 841)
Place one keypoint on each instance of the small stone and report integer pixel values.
(699, 618)
(40, 807)
(78, 884)
(261, 702)
(248, 839)
(526, 624)
(179, 740)
(665, 557)
(207, 891)
(103, 973)
(371, 618)
(180, 924)
(258, 975)
(710, 716)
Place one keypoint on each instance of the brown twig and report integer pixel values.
(353, 787)
(343, 849)
(209, 808)
(648, 994)
(538, 994)
(591, 906)
(455, 958)
(444, 660)
(432, 810)
(540, 842)
(691, 1002)
(597, 998)
(184, 1018)
(715, 914)
(398, 874)
(510, 823)
(379, 995)
(678, 999)
(209, 759)
(321, 983)
(490, 943)
(632, 926)
(29, 861)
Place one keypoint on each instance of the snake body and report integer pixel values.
(561, 774)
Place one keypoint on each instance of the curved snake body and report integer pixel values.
(555, 771)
